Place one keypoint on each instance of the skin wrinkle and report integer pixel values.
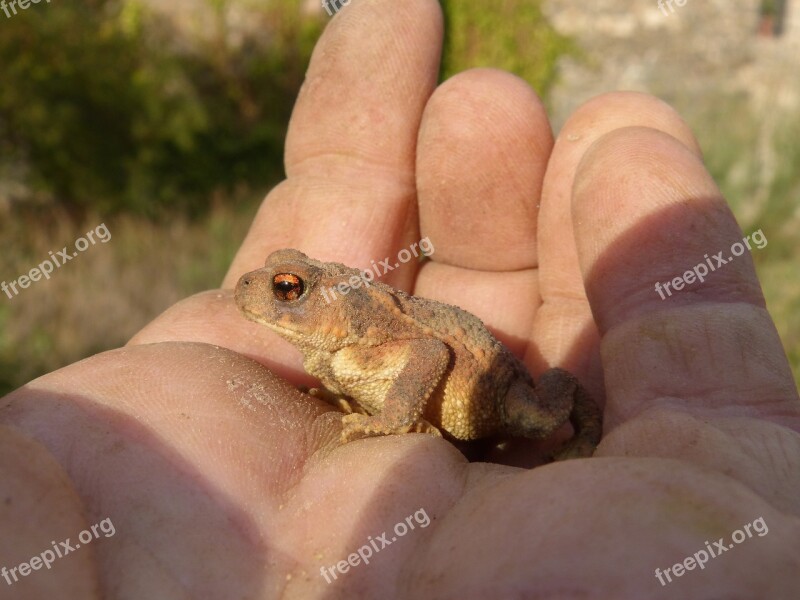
(342, 166)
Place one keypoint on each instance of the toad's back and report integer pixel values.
(481, 369)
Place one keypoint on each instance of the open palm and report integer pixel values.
(223, 481)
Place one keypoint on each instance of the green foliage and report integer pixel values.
(110, 108)
(754, 160)
(105, 295)
(779, 213)
(512, 35)
(109, 113)
(769, 7)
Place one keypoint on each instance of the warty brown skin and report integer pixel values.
(409, 363)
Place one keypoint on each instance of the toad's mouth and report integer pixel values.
(283, 330)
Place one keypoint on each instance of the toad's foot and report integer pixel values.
(357, 426)
(575, 448)
(345, 405)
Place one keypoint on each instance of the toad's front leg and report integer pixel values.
(398, 378)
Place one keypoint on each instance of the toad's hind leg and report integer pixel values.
(537, 412)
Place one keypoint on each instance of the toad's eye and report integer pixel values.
(287, 287)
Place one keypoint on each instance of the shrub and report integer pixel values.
(108, 113)
(506, 34)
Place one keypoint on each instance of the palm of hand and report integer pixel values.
(223, 481)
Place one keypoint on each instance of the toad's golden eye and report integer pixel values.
(287, 287)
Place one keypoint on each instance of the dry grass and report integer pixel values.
(757, 168)
(103, 296)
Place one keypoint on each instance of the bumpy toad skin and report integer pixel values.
(408, 363)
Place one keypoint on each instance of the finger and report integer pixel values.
(564, 328)
(180, 444)
(483, 149)
(582, 529)
(351, 143)
(561, 276)
(40, 506)
(709, 346)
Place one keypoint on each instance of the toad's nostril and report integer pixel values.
(245, 282)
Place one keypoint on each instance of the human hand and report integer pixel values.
(223, 481)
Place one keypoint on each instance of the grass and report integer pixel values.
(755, 162)
(98, 300)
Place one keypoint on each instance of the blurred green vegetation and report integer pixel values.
(109, 114)
(107, 293)
(511, 35)
(756, 163)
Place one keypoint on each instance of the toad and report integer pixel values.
(397, 363)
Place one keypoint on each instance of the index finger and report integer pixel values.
(350, 191)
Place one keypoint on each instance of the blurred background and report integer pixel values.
(165, 121)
